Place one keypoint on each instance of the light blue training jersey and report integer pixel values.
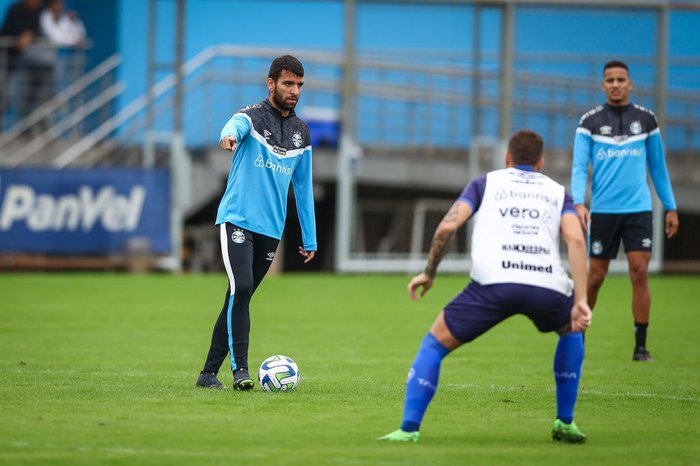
(271, 152)
(620, 142)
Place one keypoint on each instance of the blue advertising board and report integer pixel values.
(90, 211)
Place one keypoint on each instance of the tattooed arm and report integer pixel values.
(455, 218)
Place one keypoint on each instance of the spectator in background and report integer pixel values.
(21, 25)
(65, 31)
(62, 28)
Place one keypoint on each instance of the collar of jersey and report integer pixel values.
(267, 103)
(618, 108)
(526, 168)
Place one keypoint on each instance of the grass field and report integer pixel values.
(100, 369)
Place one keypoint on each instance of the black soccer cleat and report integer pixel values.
(242, 380)
(209, 380)
(641, 354)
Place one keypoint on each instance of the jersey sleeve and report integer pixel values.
(568, 206)
(302, 181)
(579, 165)
(238, 126)
(658, 170)
(473, 193)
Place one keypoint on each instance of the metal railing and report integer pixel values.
(31, 76)
(36, 123)
(402, 104)
(60, 100)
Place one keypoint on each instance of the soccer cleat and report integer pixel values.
(242, 380)
(401, 436)
(209, 380)
(642, 354)
(569, 433)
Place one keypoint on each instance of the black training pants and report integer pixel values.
(247, 257)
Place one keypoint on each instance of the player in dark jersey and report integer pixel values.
(271, 149)
(622, 141)
(519, 217)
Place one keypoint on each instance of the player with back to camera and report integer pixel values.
(271, 149)
(620, 140)
(519, 214)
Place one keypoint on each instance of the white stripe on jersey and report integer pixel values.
(615, 142)
(261, 139)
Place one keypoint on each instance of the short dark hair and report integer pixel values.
(615, 64)
(285, 62)
(525, 147)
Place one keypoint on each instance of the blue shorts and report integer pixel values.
(479, 307)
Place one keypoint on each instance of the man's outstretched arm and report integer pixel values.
(454, 218)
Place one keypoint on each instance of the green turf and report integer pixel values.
(100, 369)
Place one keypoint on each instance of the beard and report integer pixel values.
(281, 103)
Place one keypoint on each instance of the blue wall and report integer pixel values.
(419, 33)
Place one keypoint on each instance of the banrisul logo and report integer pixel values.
(80, 211)
(275, 167)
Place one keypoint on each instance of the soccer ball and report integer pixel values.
(278, 374)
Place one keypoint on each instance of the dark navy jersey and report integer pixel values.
(620, 142)
(271, 152)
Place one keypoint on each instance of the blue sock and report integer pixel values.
(422, 382)
(568, 360)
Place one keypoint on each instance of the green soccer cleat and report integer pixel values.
(401, 436)
(569, 433)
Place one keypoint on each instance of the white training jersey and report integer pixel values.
(516, 231)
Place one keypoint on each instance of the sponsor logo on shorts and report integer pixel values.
(646, 242)
(597, 247)
(238, 236)
(270, 256)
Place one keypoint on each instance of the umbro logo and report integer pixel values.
(267, 134)
(270, 256)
